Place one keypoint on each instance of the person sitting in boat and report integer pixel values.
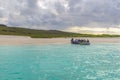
(87, 40)
(79, 40)
(76, 40)
(72, 40)
(84, 40)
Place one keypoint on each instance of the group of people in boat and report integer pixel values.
(79, 41)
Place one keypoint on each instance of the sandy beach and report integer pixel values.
(23, 40)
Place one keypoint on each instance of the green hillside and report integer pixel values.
(4, 30)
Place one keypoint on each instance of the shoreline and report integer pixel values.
(24, 40)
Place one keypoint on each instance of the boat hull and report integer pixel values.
(81, 43)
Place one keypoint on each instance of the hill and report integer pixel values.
(5, 30)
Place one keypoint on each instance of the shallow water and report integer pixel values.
(60, 62)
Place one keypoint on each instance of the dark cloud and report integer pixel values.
(60, 14)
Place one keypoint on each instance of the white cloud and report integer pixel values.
(61, 14)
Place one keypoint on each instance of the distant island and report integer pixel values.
(33, 33)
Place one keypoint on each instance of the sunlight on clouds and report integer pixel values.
(93, 30)
(3, 20)
(48, 5)
(65, 4)
(42, 4)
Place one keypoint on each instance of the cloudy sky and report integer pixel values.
(82, 16)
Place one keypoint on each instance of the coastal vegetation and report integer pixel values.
(5, 30)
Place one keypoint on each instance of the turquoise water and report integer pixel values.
(60, 62)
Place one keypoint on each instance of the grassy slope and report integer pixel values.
(4, 30)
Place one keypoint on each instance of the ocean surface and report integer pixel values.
(60, 62)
